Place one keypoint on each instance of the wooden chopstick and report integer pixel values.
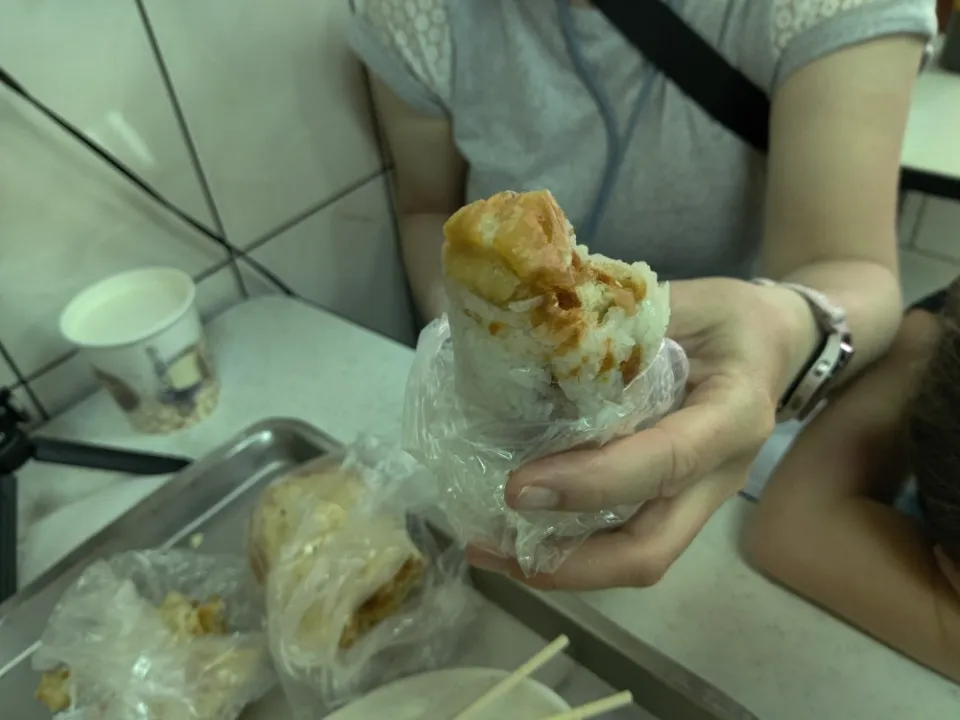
(595, 708)
(515, 678)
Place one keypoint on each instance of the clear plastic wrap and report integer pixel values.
(357, 591)
(137, 648)
(471, 452)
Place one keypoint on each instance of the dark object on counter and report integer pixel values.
(950, 55)
(17, 448)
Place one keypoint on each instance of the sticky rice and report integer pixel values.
(541, 328)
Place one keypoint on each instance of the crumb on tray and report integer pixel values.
(54, 690)
(187, 618)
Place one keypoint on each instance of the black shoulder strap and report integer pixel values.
(701, 72)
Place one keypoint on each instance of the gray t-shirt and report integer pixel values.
(688, 196)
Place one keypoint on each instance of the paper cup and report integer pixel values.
(141, 333)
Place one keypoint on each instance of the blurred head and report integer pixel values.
(934, 435)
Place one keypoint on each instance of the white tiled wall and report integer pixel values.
(279, 116)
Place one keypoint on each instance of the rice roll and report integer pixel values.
(541, 328)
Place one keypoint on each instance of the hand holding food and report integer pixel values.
(689, 463)
(545, 347)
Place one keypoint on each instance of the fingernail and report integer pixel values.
(536, 498)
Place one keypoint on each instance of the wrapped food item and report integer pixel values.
(318, 501)
(357, 592)
(532, 312)
(155, 635)
(544, 347)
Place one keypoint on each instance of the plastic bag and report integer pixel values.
(136, 649)
(357, 590)
(471, 452)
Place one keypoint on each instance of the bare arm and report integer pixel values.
(836, 132)
(822, 527)
(430, 177)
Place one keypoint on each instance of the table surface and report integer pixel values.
(776, 654)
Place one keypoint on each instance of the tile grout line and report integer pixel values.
(317, 306)
(244, 258)
(933, 255)
(52, 365)
(35, 399)
(238, 279)
(186, 135)
(23, 383)
(193, 152)
(917, 222)
(211, 271)
(41, 408)
(233, 251)
(395, 226)
(387, 160)
(5, 355)
(299, 217)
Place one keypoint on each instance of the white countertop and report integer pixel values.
(932, 141)
(774, 653)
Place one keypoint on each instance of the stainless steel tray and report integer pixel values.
(214, 497)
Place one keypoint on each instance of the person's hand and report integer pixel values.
(745, 343)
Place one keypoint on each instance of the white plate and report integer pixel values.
(442, 694)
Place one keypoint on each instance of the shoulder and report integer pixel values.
(798, 32)
(407, 43)
(793, 19)
(404, 19)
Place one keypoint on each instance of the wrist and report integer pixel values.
(794, 331)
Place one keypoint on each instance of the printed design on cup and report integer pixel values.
(141, 332)
(182, 377)
(177, 391)
(124, 395)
